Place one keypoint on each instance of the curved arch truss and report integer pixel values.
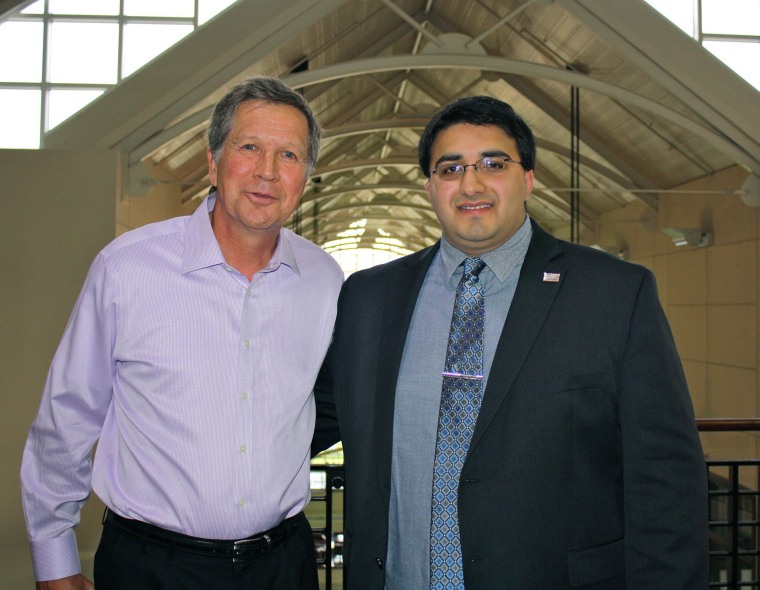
(655, 111)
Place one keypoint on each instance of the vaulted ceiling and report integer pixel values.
(653, 110)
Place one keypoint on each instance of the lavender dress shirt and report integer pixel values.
(196, 384)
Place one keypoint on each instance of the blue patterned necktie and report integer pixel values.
(460, 403)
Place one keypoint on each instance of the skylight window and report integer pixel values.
(66, 53)
(729, 29)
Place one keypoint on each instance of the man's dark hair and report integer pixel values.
(479, 110)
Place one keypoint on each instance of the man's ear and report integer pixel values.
(529, 178)
(211, 167)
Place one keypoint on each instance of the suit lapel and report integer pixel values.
(535, 294)
(401, 295)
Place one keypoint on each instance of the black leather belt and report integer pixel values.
(240, 550)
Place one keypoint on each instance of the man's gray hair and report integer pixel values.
(268, 90)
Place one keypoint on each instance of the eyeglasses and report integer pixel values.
(490, 165)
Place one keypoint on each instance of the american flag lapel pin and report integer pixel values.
(551, 277)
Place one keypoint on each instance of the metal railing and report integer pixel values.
(734, 516)
(734, 512)
(728, 424)
(325, 512)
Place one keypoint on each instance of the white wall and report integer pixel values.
(711, 296)
(58, 210)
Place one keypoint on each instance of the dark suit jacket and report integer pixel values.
(585, 469)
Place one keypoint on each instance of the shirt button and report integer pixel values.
(241, 503)
(246, 343)
(244, 395)
(242, 448)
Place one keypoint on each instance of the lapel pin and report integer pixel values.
(551, 277)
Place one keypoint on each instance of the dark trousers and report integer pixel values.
(124, 561)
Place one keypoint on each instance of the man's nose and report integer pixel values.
(471, 182)
(266, 167)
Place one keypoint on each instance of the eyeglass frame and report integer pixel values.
(476, 165)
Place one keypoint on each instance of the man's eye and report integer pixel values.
(493, 164)
(248, 146)
(289, 155)
(450, 170)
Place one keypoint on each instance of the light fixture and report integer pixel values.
(689, 236)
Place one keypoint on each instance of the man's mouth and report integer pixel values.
(474, 207)
(259, 195)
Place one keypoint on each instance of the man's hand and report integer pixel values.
(76, 582)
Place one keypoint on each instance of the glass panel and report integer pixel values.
(185, 8)
(731, 17)
(679, 12)
(36, 8)
(740, 57)
(208, 9)
(23, 41)
(64, 103)
(85, 53)
(353, 259)
(20, 119)
(95, 7)
(143, 42)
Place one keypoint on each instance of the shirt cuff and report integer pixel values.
(55, 558)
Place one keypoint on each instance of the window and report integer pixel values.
(66, 53)
(351, 250)
(729, 29)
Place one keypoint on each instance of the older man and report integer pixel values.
(190, 358)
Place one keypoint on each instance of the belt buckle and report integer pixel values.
(239, 546)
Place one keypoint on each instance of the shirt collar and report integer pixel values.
(202, 250)
(501, 261)
(201, 247)
(283, 253)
